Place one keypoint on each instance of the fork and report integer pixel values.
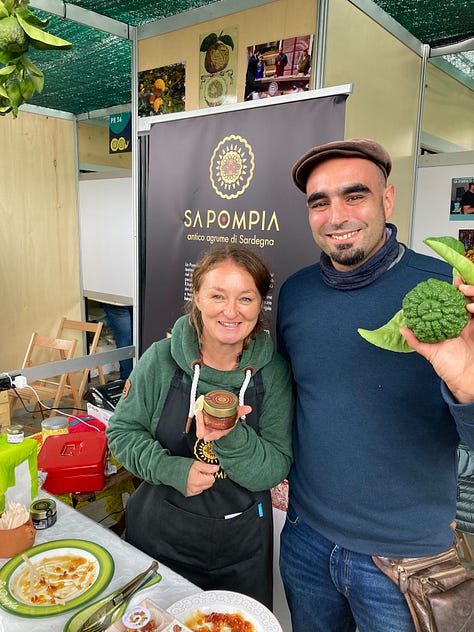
(101, 619)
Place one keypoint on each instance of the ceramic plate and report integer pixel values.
(75, 571)
(228, 602)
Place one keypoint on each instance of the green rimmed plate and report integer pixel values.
(77, 571)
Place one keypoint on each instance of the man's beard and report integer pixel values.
(347, 257)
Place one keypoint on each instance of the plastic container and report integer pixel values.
(220, 409)
(74, 462)
(137, 618)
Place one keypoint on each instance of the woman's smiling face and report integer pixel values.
(229, 302)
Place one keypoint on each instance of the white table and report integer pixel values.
(128, 560)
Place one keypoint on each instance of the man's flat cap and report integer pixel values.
(356, 148)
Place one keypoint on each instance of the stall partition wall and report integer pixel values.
(39, 249)
(276, 20)
(386, 77)
(432, 216)
(107, 237)
(448, 112)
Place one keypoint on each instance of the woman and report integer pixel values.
(204, 508)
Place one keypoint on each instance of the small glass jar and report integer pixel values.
(220, 409)
(15, 434)
(43, 513)
(54, 426)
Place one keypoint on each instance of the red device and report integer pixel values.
(73, 462)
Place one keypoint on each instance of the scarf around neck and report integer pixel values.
(366, 273)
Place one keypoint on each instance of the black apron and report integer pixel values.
(192, 535)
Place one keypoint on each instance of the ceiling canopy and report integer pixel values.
(96, 73)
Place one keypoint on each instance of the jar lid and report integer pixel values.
(42, 508)
(220, 403)
(17, 429)
(51, 423)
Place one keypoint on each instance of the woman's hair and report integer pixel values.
(246, 259)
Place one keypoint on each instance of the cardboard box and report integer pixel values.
(99, 413)
(73, 462)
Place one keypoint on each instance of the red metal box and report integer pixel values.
(73, 462)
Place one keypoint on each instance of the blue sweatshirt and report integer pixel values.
(374, 439)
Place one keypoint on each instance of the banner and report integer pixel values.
(226, 178)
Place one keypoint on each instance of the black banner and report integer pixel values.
(226, 178)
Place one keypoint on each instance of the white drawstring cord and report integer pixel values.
(243, 388)
(192, 397)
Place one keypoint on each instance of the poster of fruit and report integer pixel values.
(218, 68)
(161, 90)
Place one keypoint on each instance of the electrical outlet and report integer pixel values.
(6, 380)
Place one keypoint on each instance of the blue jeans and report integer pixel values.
(331, 589)
(119, 318)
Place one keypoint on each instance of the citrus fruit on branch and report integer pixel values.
(19, 77)
(217, 52)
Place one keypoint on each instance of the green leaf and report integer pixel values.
(8, 70)
(30, 18)
(27, 88)
(208, 41)
(37, 78)
(3, 93)
(7, 57)
(451, 253)
(226, 39)
(9, 5)
(42, 40)
(30, 67)
(388, 336)
(3, 11)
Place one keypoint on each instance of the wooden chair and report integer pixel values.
(65, 327)
(43, 349)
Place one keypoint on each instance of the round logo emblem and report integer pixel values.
(232, 166)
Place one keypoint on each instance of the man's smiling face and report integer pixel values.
(348, 204)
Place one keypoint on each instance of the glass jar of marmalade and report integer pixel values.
(220, 409)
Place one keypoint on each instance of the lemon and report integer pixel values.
(13, 38)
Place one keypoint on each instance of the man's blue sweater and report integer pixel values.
(374, 440)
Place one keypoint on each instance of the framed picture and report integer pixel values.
(161, 90)
(278, 67)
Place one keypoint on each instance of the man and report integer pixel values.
(467, 200)
(375, 435)
(281, 61)
(304, 62)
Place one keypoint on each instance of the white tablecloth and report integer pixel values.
(129, 561)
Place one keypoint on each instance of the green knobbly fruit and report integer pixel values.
(13, 38)
(435, 310)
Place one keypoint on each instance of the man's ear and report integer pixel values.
(388, 199)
